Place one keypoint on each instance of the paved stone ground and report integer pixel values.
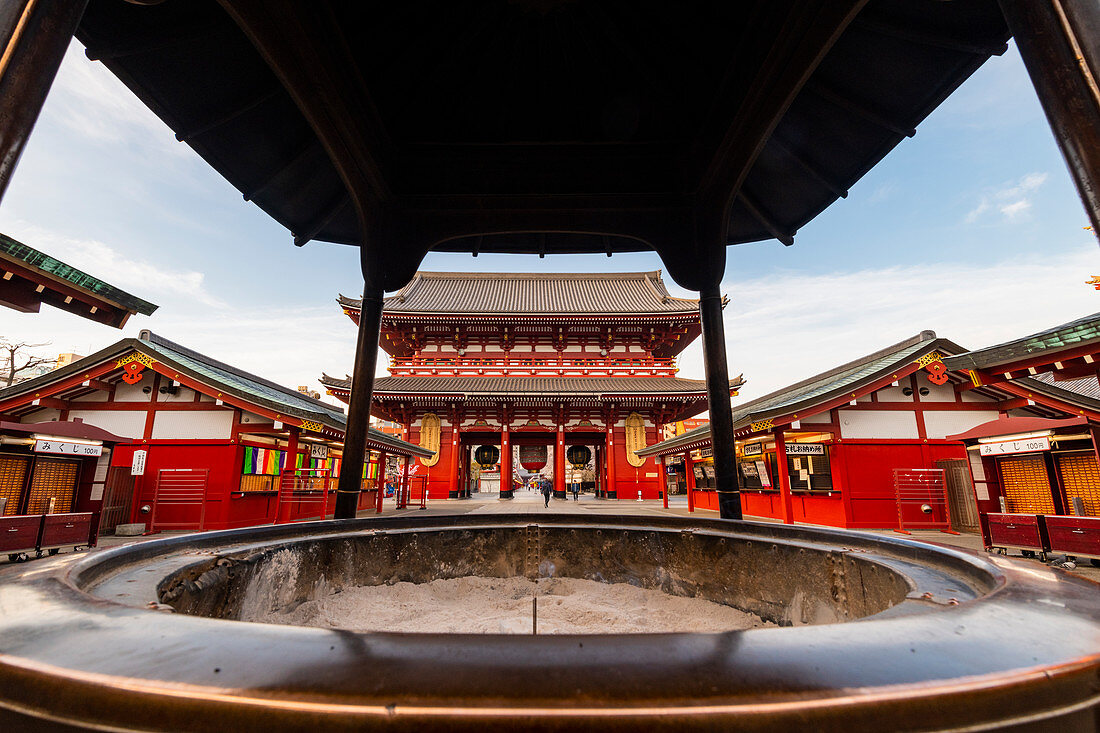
(531, 502)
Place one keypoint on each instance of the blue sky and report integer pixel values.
(972, 228)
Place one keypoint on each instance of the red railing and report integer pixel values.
(471, 366)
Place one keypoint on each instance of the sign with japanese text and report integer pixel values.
(64, 448)
(318, 450)
(753, 449)
(137, 468)
(805, 449)
(1005, 447)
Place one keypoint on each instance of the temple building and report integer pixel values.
(855, 446)
(147, 431)
(534, 363)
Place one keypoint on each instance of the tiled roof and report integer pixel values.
(239, 382)
(533, 385)
(686, 438)
(1082, 392)
(217, 375)
(1051, 341)
(496, 293)
(31, 258)
(826, 386)
(845, 378)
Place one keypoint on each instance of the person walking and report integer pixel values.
(546, 493)
(576, 487)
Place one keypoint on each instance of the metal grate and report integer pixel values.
(1080, 476)
(921, 495)
(52, 479)
(1026, 486)
(13, 475)
(180, 499)
(960, 494)
(117, 499)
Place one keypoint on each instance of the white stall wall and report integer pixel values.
(191, 424)
(893, 424)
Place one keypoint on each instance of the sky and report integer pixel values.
(972, 228)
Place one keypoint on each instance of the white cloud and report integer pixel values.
(138, 276)
(1011, 199)
(785, 328)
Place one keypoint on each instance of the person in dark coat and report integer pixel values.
(546, 493)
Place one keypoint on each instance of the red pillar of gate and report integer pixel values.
(454, 483)
(505, 464)
(381, 479)
(559, 463)
(782, 477)
(607, 492)
(689, 474)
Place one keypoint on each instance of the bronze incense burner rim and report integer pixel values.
(1030, 643)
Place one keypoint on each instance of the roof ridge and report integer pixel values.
(152, 338)
(927, 335)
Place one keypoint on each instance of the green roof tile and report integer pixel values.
(40, 261)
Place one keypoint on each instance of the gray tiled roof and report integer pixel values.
(824, 387)
(240, 382)
(1051, 341)
(535, 293)
(845, 378)
(533, 385)
(218, 375)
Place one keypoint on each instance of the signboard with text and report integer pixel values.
(753, 449)
(1006, 447)
(137, 468)
(64, 448)
(805, 449)
(318, 450)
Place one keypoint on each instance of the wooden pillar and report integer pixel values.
(783, 478)
(34, 35)
(381, 479)
(559, 462)
(718, 402)
(1058, 44)
(505, 463)
(689, 470)
(454, 490)
(362, 389)
(611, 490)
(282, 507)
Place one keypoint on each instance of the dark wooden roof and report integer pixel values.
(1046, 345)
(543, 126)
(535, 293)
(536, 386)
(31, 278)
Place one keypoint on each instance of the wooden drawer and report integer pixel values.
(1074, 535)
(19, 533)
(1020, 531)
(61, 530)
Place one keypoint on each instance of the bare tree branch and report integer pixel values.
(10, 354)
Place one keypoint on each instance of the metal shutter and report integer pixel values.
(54, 479)
(13, 474)
(1080, 475)
(1025, 484)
